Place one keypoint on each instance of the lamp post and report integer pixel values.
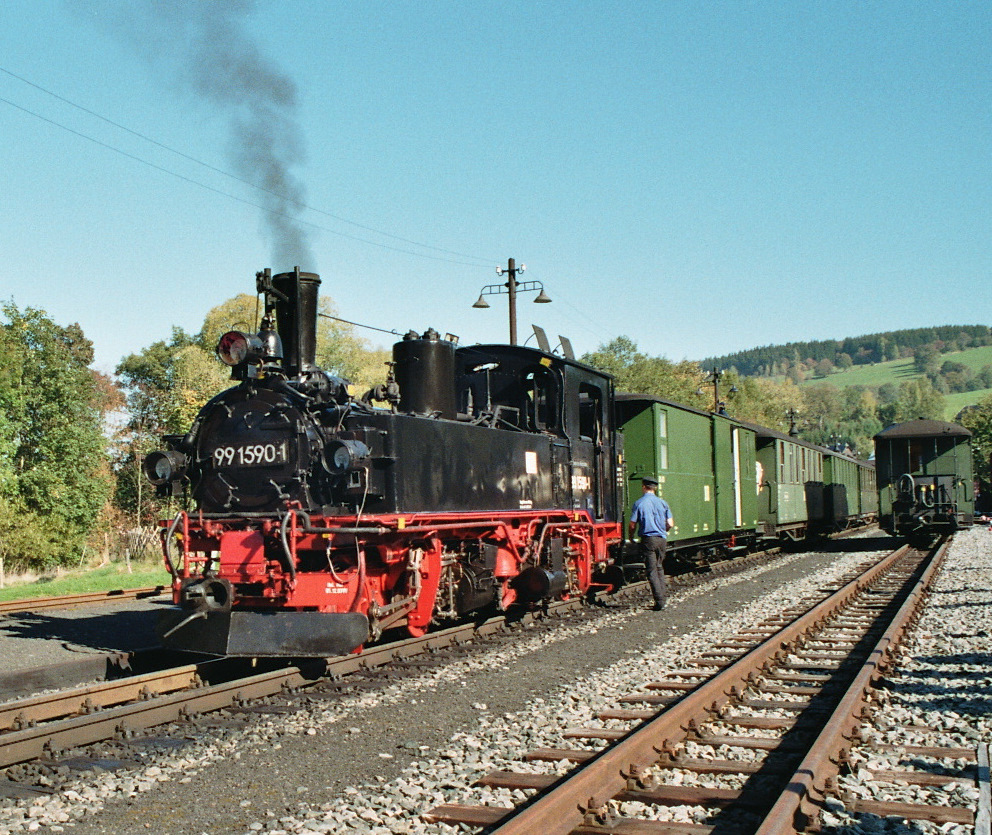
(512, 287)
(793, 417)
(714, 378)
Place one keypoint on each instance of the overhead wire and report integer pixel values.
(244, 181)
(248, 202)
(358, 324)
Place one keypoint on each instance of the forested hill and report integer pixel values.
(857, 350)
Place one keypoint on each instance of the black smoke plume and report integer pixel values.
(207, 47)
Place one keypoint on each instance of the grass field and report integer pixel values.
(105, 578)
(894, 371)
(898, 371)
(954, 403)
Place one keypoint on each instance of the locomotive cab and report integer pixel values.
(567, 404)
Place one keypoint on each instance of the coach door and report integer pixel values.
(735, 445)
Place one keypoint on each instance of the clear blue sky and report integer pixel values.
(703, 177)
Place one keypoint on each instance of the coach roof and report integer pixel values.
(923, 429)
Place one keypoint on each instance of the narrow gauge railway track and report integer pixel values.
(38, 727)
(802, 680)
(34, 604)
(34, 727)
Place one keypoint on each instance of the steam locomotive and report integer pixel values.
(475, 478)
(485, 476)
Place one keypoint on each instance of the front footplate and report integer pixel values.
(261, 634)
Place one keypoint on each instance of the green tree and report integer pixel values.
(926, 358)
(860, 403)
(767, 402)
(54, 480)
(822, 404)
(639, 373)
(887, 393)
(917, 399)
(824, 368)
(978, 419)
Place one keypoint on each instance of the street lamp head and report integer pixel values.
(543, 298)
(481, 303)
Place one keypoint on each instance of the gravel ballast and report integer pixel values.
(376, 759)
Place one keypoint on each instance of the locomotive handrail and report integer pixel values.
(901, 485)
(167, 540)
(289, 550)
(376, 530)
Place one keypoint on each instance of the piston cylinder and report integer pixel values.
(535, 583)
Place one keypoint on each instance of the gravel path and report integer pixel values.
(940, 695)
(52, 636)
(378, 758)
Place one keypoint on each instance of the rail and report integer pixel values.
(792, 670)
(33, 604)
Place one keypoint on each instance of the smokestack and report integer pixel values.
(296, 319)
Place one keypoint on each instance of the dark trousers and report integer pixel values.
(653, 551)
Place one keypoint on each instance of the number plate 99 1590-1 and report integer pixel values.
(251, 455)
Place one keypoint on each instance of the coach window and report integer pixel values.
(661, 426)
(916, 456)
(898, 457)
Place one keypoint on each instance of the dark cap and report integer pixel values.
(650, 480)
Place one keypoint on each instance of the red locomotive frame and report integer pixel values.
(390, 568)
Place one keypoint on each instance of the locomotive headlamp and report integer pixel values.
(341, 456)
(236, 347)
(164, 467)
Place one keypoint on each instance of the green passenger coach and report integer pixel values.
(790, 485)
(705, 466)
(925, 478)
(849, 493)
(733, 485)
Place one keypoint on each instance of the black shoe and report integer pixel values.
(658, 607)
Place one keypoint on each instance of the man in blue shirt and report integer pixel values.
(653, 518)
